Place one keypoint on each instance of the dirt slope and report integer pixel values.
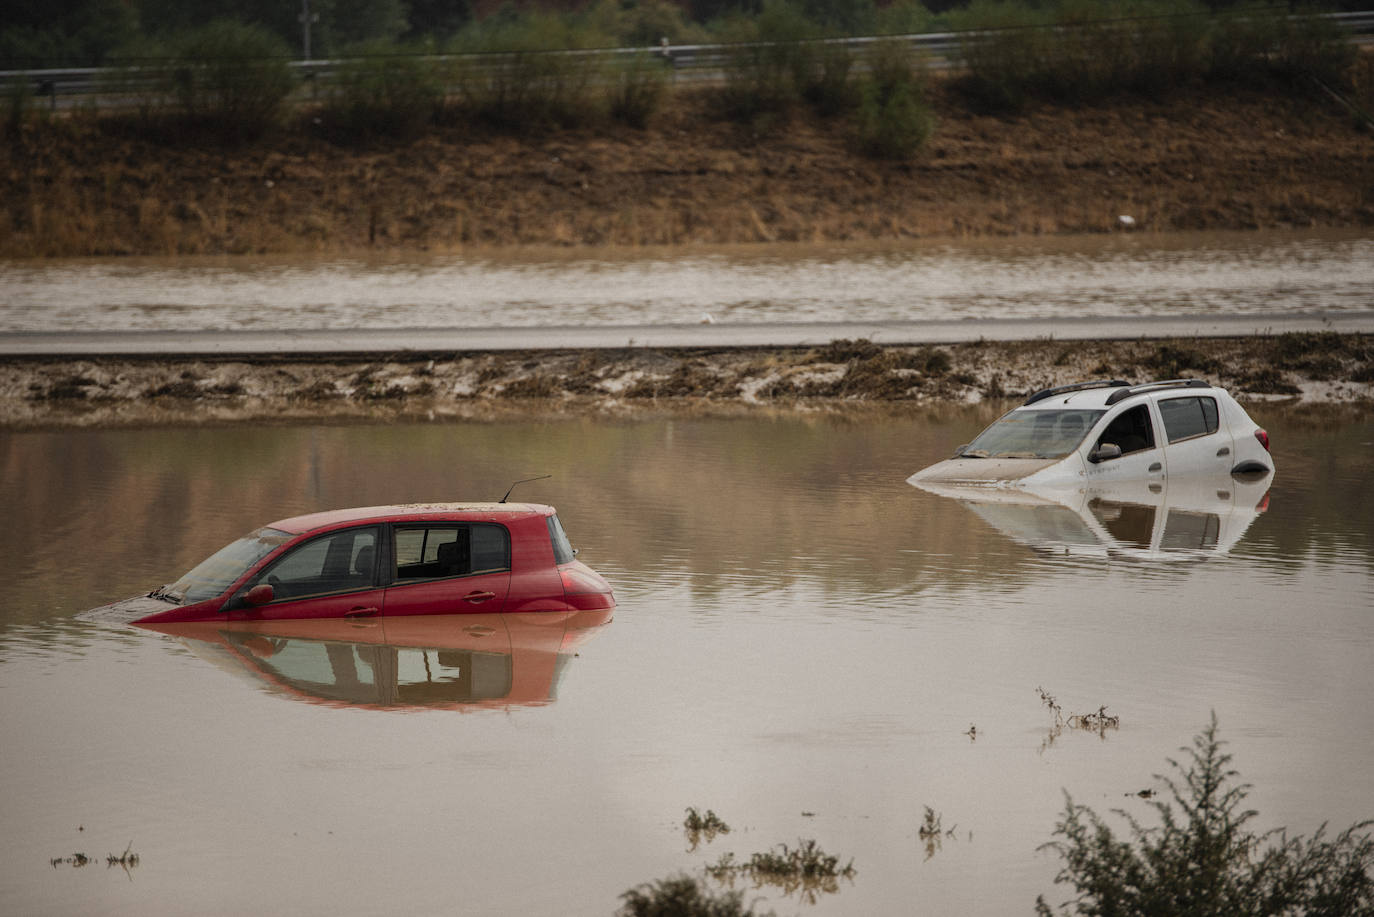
(1220, 160)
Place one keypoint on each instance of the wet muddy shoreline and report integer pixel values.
(1301, 368)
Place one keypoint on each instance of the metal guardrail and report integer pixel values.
(688, 62)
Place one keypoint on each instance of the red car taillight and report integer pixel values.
(1263, 438)
(585, 589)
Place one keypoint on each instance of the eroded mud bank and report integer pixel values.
(1308, 368)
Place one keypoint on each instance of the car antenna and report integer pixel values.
(525, 481)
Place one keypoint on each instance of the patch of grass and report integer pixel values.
(67, 388)
(181, 388)
(842, 350)
(536, 385)
(689, 379)
(1202, 860)
(880, 376)
(1267, 381)
(1171, 361)
(1321, 355)
(316, 391)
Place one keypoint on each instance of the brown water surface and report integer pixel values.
(802, 644)
(1309, 272)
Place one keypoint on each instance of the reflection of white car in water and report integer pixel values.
(1183, 517)
(1106, 432)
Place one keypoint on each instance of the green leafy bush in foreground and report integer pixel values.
(682, 896)
(1202, 862)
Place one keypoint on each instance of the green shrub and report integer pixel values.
(1260, 40)
(18, 103)
(904, 17)
(1002, 50)
(831, 89)
(637, 89)
(1170, 50)
(894, 120)
(516, 73)
(384, 90)
(1077, 51)
(642, 23)
(227, 77)
(1202, 861)
(772, 61)
(1311, 45)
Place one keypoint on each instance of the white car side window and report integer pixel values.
(1185, 418)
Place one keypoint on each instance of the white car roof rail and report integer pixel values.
(1145, 387)
(1075, 387)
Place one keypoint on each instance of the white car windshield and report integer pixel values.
(213, 575)
(1033, 434)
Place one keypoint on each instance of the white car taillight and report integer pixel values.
(1263, 438)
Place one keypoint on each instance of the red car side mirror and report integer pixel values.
(260, 594)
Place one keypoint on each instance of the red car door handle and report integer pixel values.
(476, 597)
(359, 611)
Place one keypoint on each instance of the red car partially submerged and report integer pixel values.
(418, 559)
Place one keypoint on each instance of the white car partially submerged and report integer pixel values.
(1110, 431)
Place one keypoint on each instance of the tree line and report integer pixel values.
(80, 33)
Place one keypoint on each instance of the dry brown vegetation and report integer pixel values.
(1218, 159)
(1316, 368)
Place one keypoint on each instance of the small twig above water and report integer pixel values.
(126, 860)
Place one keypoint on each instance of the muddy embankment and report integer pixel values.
(1219, 158)
(1305, 369)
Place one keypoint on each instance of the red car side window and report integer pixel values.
(445, 550)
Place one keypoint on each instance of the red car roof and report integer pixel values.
(298, 525)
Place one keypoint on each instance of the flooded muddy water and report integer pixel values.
(1303, 273)
(804, 645)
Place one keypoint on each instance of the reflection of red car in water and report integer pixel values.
(385, 561)
(450, 662)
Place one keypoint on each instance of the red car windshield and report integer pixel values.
(213, 575)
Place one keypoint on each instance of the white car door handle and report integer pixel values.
(1224, 450)
(1156, 466)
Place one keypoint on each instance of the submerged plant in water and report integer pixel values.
(932, 832)
(1201, 860)
(806, 869)
(1098, 722)
(703, 827)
